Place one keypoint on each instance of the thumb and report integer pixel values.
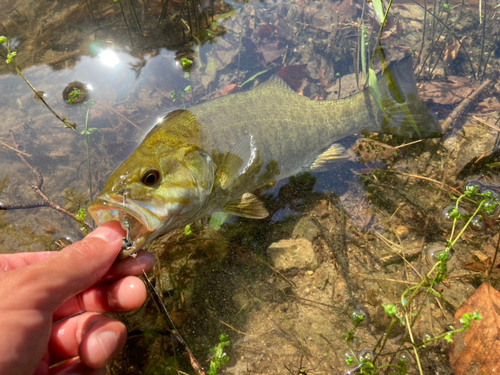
(50, 282)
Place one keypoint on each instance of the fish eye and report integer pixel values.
(151, 177)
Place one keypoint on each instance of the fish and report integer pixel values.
(212, 156)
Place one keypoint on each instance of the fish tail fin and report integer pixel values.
(402, 112)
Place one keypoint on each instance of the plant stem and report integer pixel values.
(37, 94)
(240, 43)
(467, 224)
(387, 333)
(413, 345)
(88, 154)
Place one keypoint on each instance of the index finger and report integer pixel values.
(9, 262)
(64, 273)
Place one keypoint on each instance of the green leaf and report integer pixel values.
(3, 39)
(374, 89)
(224, 16)
(253, 77)
(390, 310)
(377, 5)
(187, 88)
(10, 56)
(217, 219)
(349, 360)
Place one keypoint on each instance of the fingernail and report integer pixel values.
(108, 342)
(107, 234)
(146, 261)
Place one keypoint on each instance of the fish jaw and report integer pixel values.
(143, 223)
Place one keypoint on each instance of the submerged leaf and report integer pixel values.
(293, 75)
(477, 351)
(217, 219)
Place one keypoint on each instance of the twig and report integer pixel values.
(120, 115)
(279, 273)
(13, 149)
(427, 179)
(37, 187)
(64, 57)
(338, 254)
(485, 123)
(463, 105)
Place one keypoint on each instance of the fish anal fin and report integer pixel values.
(327, 159)
(247, 206)
(237, 161)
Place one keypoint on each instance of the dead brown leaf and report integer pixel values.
(477, 351)
(226, 90)
(293, 75)
(447, 92)
(46, 226)
(451, 51)
(370, 150)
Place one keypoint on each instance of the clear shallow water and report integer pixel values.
(228, 281)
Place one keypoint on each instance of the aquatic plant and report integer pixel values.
(219, 355)
(86, 132)
(486, 202)
(38, 94)
(80, 216)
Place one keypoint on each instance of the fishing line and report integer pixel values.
(127, 244)
(163, 309)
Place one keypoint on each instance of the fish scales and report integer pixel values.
(212, 156)
(289, 129)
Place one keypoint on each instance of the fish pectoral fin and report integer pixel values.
(237, 161)
(247, 206)
(325, 160)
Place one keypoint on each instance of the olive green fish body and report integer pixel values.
(213, 155)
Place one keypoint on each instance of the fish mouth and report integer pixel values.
(140, 222)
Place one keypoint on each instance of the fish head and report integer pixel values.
(157, 189)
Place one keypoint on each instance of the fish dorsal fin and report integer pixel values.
(237, 161)
(247, 206)
(325, 160)
(275, 83)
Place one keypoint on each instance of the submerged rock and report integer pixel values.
(288, 254)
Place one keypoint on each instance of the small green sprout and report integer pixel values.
(80, 216)
(219, 356)
(349, 359)
(77, 95)
(186, 63)
(187, 230)
(357, 317)
(392, 312)
(471, 190)
(467, 319)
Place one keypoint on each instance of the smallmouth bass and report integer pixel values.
(212, 156)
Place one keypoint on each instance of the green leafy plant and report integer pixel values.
(80, 216)
(76, 94)
(178, 95)
(403, 313)
(219, 356)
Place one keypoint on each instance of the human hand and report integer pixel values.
(49, 304)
